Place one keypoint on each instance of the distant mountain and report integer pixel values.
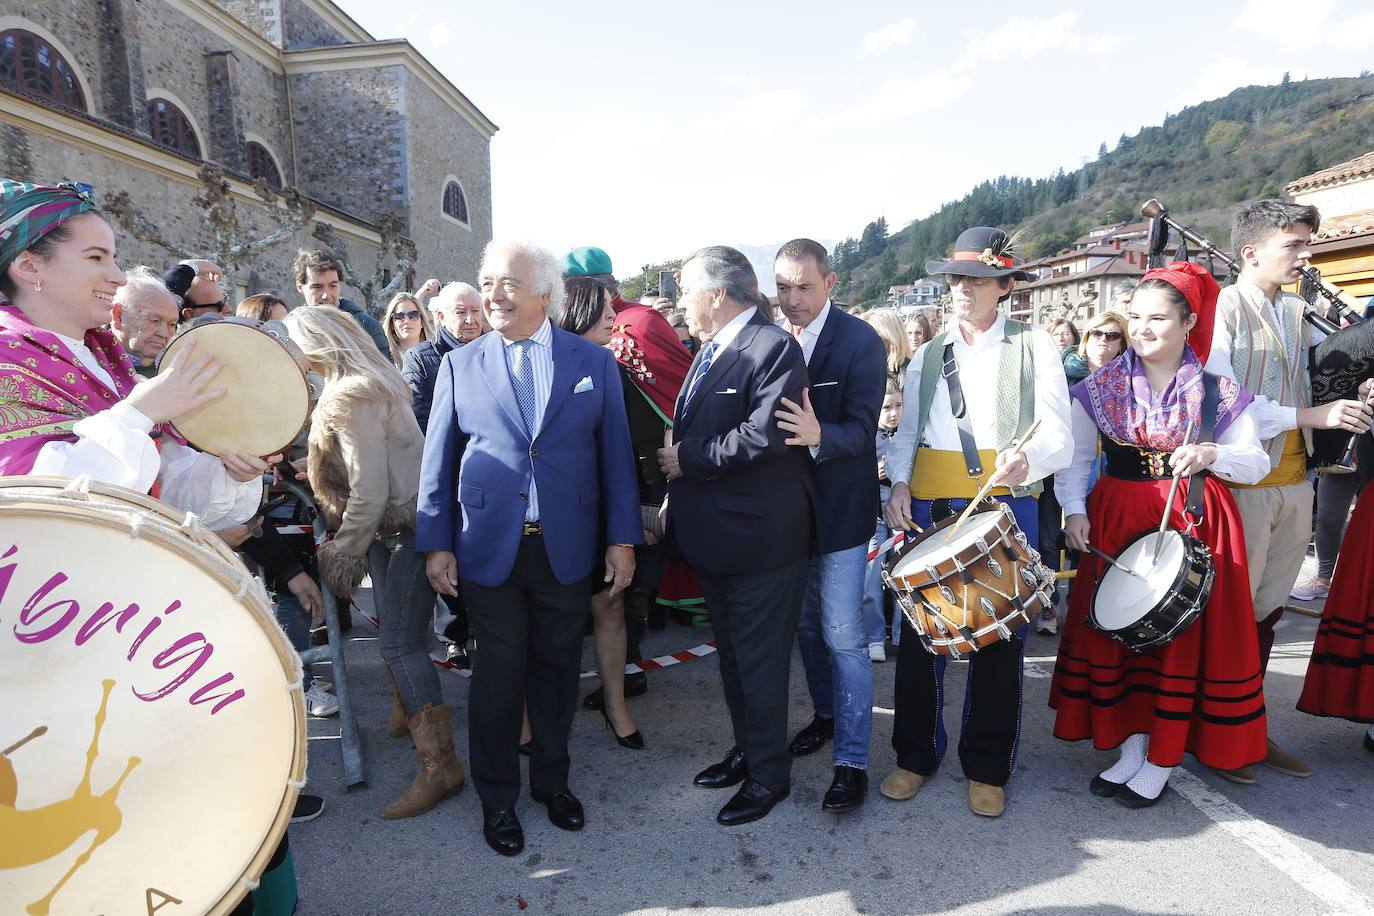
(761, 256)
(1201, 163)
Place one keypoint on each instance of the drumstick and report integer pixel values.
(1169, 503)
(1114, 561)
(36, 733)
(986, 488)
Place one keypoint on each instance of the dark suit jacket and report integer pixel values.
(743, 503)
(421, 368)
(848, 371)
(478, 454)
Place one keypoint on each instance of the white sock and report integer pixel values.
(1150, 781)
(1129, 763)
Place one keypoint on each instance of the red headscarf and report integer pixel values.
(655, 360)
(1201, 290)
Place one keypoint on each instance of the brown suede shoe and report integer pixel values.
(1281, 761)
(1242, 776)
(440, 774)
(985, 800)
(901, 784)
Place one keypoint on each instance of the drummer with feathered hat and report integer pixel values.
(971, 392)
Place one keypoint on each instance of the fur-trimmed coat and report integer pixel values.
(364, 466)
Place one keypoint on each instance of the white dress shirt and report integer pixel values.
(809, 334)
(1271, 418)
(1240, 458)
(1047, 452)
(540, 355)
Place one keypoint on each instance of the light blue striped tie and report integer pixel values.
(708, 353)
(522, 377)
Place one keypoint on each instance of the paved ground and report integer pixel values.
(652, 846)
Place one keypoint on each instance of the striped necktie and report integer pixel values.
(708, 353)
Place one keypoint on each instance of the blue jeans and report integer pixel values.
(405, 605)
(874, 607)
(834, 650)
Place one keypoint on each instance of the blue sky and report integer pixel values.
(651, 129)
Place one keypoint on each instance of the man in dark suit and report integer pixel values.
(524, 478)
(739, 506)
(837, 421)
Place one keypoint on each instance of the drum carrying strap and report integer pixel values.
(1211, 399)
(967, 444)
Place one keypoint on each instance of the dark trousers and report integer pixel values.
(529, 630)
(755, 620)
(992, 700)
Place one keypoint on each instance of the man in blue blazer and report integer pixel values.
(739, 507)
(837, 421)
(527, 471)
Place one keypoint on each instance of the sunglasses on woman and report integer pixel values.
(1108, 336)
(408, 316)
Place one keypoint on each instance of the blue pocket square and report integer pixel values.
(584, 385)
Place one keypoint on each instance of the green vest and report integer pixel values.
(1015, 391)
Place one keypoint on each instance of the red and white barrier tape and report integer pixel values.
(895, 541)
(644, 664)
(295, 529)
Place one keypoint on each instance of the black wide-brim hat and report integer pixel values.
(982, 251)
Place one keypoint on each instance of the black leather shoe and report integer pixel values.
(565, 811)
(847, 790)
(753, 801)
(1133, 799)
(813, 737)
(1368, 743)
(1104, 788)
(503, 832)
(636, 685)
(730, 771)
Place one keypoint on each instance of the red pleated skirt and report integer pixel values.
(1340, 674)
(1202, 693)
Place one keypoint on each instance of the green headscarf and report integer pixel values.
(28, 212)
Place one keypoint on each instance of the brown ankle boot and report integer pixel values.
(440, 774)
(398, 726)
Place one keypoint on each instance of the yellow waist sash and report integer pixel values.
(940, 474)
(1292, 466)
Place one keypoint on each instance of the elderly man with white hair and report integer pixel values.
(457, 311)
(528, 473)
(144, 318)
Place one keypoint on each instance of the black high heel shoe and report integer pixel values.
(634, 740)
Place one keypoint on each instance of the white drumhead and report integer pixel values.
(935, 548)
(145, 625)
(1122, 599)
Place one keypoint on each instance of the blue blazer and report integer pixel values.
(848, 371)
(478, 457)
(743, 503)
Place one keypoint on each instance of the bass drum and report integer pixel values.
(152, 730)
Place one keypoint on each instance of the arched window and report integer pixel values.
(172, 129)
(262, 165)
(455, 204)
(29, 61)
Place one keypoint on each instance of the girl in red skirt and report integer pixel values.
(1201, 693)
(1340, 675)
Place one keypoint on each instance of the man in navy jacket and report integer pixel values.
(739, 507)
(524, 478)
(837, 421)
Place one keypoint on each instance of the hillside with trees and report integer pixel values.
(1201, 163)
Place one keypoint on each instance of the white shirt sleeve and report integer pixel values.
(902, 447)
(1270, 417)
(1071, 483)
(113, 447)
(1240, 457)
(1051, 448)
(198, 483)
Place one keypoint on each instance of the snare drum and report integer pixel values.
(974, 590)
(1164, 598)
(268, 398)
(152, 739)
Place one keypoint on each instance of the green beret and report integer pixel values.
(585, 262)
